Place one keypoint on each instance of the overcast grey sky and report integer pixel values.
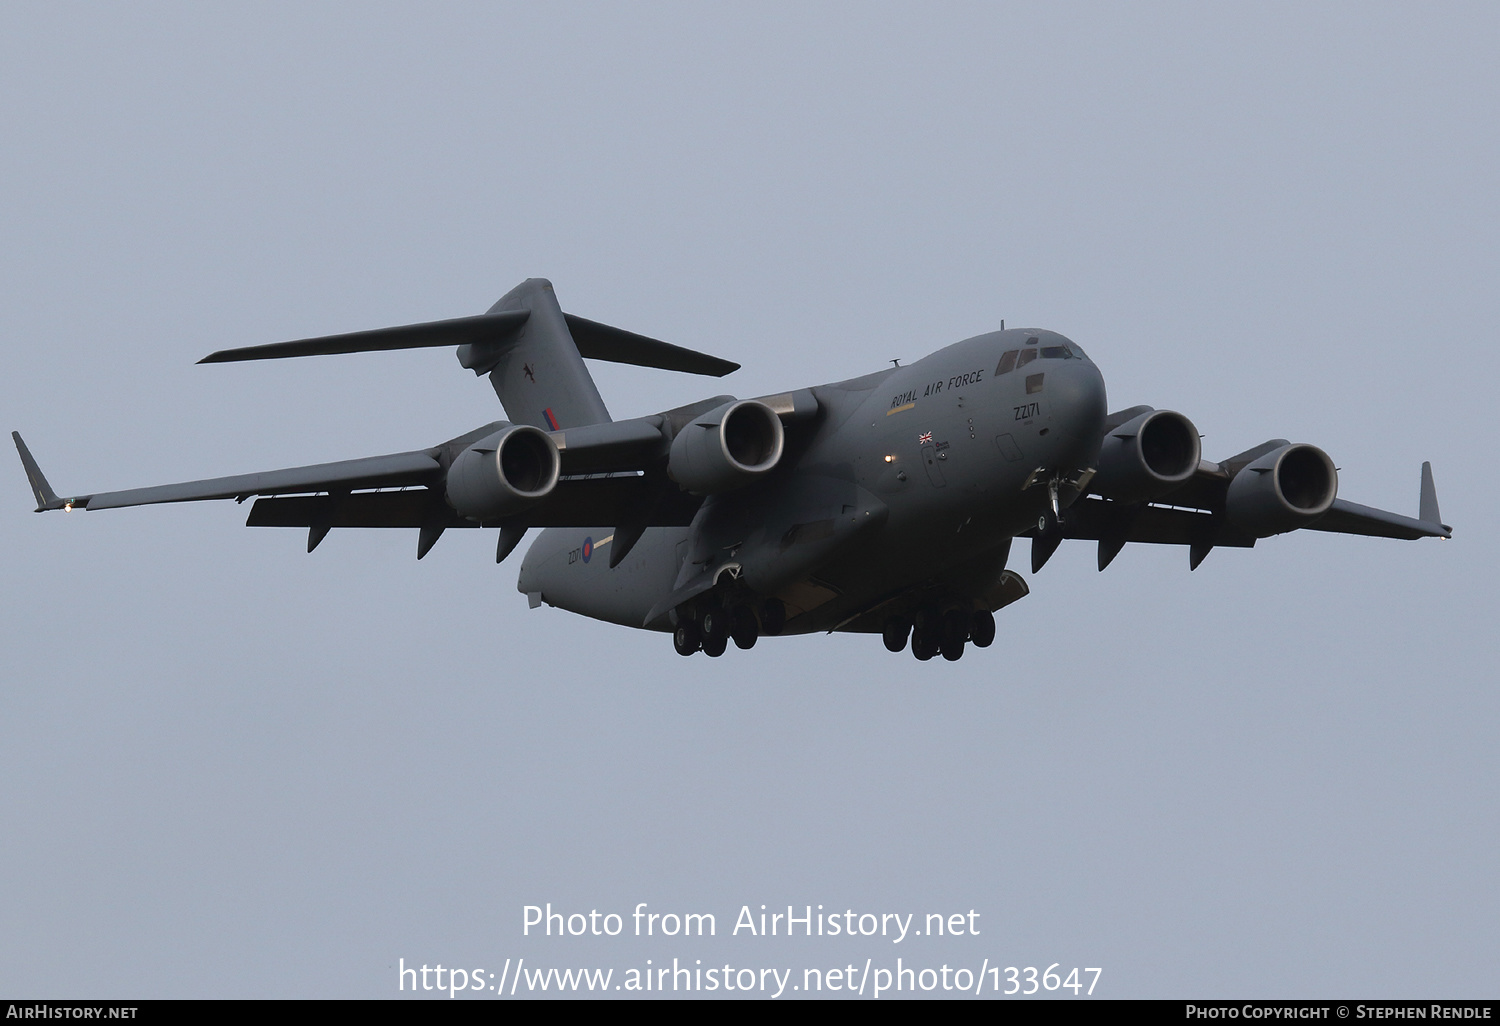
(228, 768)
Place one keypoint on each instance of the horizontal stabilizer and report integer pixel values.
(458, 331)
(488, 334)
(597, 341)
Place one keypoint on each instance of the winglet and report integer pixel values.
(1428, 510)
(46, 498)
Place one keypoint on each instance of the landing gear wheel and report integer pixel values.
(772, 617)
(894, 635)
(743, 628)
(686, 638)
(714, 646)
(955, 633)
(982, 628)
(924, 641)
(927, 634)
(955, 626)
(714, 623)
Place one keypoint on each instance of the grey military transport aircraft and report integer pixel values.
(884, 504)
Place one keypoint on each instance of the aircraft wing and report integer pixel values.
(397, 470)
(394, 471)
(1352, 518)
(612, 474)
(1206, 489)
(1193, 515)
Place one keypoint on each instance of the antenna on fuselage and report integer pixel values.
(896, 362)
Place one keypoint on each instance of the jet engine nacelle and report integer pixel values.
(727, 447)
(502, 474)
(1146, 457)
(1282, 491)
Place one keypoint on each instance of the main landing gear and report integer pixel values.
(711, 625)
(935, 630)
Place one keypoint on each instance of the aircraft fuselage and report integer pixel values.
(913, 483)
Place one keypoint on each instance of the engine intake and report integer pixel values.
(727, 447)
(1147, 457)
(504, 473)
(1285, 489)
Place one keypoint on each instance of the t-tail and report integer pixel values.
(538, 372)
(532, 351)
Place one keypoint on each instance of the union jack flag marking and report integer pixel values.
(924, 438)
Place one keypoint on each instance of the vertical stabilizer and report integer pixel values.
(540, 377)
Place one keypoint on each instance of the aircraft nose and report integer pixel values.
(1076, 391)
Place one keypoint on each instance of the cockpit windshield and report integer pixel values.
(1016, 358)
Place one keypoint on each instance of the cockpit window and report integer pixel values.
(1014, 358)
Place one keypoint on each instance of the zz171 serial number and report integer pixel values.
(1028, 411)
(1027, 981)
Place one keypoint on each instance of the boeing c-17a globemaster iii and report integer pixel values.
(885, 504)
